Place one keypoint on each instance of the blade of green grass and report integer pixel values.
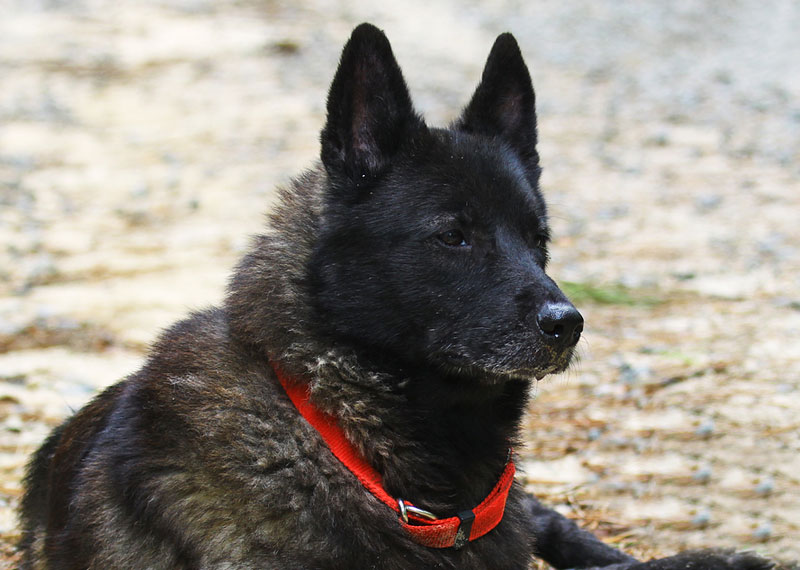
(607, 294)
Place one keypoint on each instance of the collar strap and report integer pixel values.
(424, 527)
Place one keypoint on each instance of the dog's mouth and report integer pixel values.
(539, 373)
(493, 370)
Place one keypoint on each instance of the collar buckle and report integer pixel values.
(407, 508)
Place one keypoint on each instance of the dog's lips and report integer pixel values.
(497, 372)
(560, 365)
(534, 373)
(553, 369)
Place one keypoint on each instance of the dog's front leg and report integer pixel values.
(700, 560)
(560, 542)
(563, 545)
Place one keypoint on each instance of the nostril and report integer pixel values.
(576, 333)
(550, 326)
(560, 321)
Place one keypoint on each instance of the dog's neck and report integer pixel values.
(439, 441)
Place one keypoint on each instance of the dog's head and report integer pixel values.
(433, 242)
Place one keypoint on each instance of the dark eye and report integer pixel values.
(540, 241)
(453, 238)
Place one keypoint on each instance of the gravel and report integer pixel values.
(140, 140)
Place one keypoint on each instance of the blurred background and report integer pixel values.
(141, 141)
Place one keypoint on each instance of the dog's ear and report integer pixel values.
(504, 104)
(369, 108)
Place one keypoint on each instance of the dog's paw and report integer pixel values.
(709, 560)
(747, 561)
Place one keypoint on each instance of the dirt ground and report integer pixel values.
(141, 140)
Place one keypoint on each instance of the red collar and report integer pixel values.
(423, 527)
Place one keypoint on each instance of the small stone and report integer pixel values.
(628, 374)
(707, 203)
(702, 475)
(140, 190)
(13, 424)
(702, 518)
(705, 429)
(765, 486)
(763, 532)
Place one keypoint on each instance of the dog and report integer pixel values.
(355, 401)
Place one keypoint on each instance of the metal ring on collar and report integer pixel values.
(406, 508)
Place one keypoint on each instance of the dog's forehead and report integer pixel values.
(484, 176)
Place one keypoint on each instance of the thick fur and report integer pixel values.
(403, 279)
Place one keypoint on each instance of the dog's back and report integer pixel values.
(101, 489)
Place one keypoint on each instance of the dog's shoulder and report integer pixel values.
(201, 374)
(198, 346)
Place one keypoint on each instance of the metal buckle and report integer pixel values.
(405, 509)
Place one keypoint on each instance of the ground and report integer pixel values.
(141, 141)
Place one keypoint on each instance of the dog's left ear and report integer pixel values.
(504, 104)
(369, 109)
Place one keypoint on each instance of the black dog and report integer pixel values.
(400, 302)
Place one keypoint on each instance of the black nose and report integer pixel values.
(561, 323)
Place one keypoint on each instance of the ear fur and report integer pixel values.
(504, 104)
(369, 108)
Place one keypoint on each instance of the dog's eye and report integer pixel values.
(453, 238)
(540, 241)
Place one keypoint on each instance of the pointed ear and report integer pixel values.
(504, 104)
(369, 108)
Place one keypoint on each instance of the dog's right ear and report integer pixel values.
(369, 109)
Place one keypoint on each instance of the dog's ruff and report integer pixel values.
(428, 530)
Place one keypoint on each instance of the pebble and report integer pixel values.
(705, 429)
(13, 423)
(763, 532)
(765, 486)
(707, 203)
(702, 518)
(702, 475)
(628, 374)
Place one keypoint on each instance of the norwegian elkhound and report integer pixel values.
(355, 401)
